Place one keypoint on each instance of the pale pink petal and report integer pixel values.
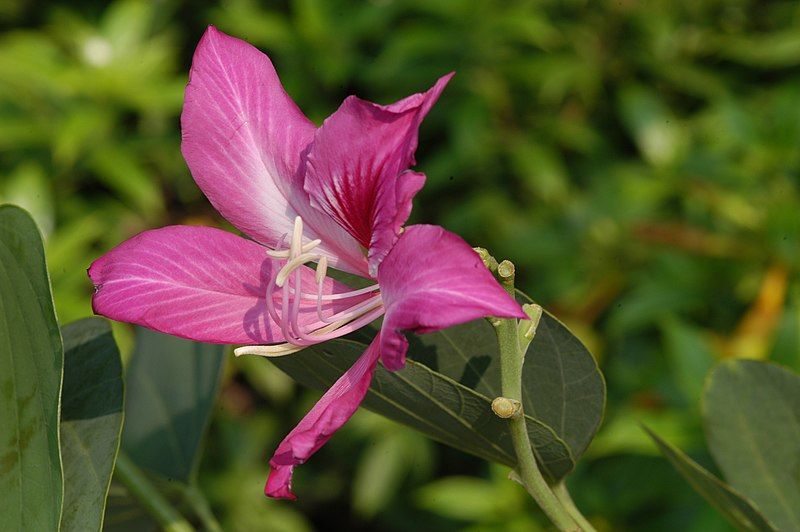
(430, 280)
(332, 411)
(199, 283)
(357, 167)
(244, 141)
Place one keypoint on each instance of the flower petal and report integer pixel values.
(430, 280)
(332, 411)
(199, 283)
(356, 167)
(244, 138)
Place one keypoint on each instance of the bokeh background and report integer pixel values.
(637, 160)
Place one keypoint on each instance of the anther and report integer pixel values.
(267, 350)
(322, 269)
(297, 237)
(284, 253)
(292, 265)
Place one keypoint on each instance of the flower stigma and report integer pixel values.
(287, 281)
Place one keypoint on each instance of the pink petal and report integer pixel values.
(332, 411)
(244, 139)
(356, 167)
(199, 283)
(430, 280)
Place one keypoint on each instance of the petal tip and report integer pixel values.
(279, 483)
(210, 33)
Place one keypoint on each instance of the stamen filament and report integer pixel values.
(340, 295)
(354, 311)
(337, 324)
(348, 328)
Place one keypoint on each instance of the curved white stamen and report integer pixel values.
(352, 312)
(339, 295)
(269, 296)
(337, 324)
(292, 265)
(295, 312)
(322, 269)
(285, 311)
(286, 301)
(349, 327)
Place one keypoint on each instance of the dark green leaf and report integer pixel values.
(91, 421)
(31, 363)
(735, 507)
(752, 419)
(430, 402)
(562, 385)
(171, 386)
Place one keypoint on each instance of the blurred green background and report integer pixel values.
(637, 160)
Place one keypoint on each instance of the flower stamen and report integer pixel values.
(337, 324)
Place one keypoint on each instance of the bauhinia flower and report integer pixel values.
(336, 196)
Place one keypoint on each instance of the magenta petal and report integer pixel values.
(430, 280)
(332, 411)
(356, 167)
(244, 138)
(199, 283)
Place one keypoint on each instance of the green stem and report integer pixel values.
(562, 494)
(201, 509)
(511, 360)
(151, 499)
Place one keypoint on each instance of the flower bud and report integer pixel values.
(506, 270)
(488, 261)
(506, 408)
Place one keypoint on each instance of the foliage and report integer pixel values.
(752, 421)
(637, 161)
(62, 404)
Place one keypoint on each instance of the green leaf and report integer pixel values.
(732, 505)
(91, 421)
(562, 385)
(752, 419)
(430, 402)
(31, 364)
(171, 387)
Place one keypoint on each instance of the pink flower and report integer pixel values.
(337, 195)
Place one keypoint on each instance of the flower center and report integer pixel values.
(329, 323)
